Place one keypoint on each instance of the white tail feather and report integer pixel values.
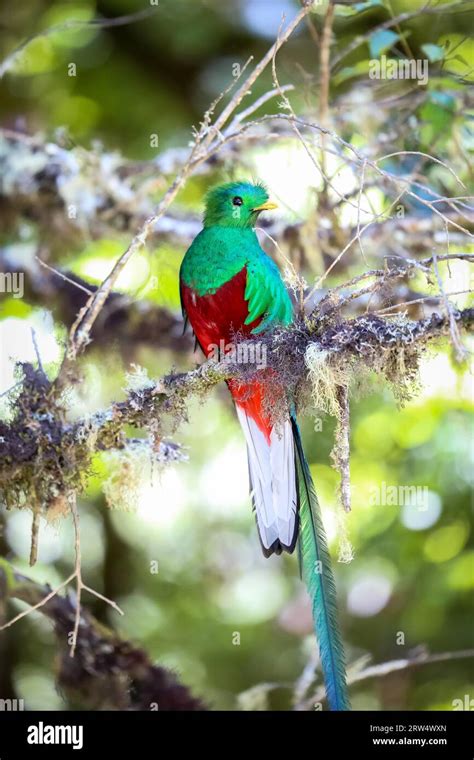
(272, 481)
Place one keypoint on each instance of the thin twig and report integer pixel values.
(361, 188)
(45, 599)
(420, 300)
(35, 346)
(64, 277)
(101, 23)
(13, 387)
(242, 115)
(350, 243)
(202, 149)
(386, 273)
(259, 68)
(426, 9)
(324, 58)
(386, 668)
(404, 43)
(460, 351)
(77, 575)
(358, 159)
(423, 155)
(293, 119)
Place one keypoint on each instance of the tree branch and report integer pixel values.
(31, 440)
(386, 668)
(125, 322)
(107, 672)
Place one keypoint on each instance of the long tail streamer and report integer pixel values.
(315, 565)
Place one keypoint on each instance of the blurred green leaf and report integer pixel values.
(433, 52)
(381, 41)
(362, 67)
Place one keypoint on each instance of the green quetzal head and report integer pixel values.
(236, 204)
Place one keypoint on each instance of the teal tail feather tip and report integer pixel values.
(317, 574)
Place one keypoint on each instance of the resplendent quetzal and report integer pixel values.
(229, 285)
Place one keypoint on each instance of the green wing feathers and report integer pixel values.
(266, 295)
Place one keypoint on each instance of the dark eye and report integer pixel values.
(237, 201)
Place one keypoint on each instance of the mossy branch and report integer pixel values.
(43, 456)
(107, 672)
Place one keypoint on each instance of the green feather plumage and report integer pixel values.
(219, 253)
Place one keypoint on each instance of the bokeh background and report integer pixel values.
(413, 569)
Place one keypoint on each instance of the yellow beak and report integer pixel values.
(267, 206)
